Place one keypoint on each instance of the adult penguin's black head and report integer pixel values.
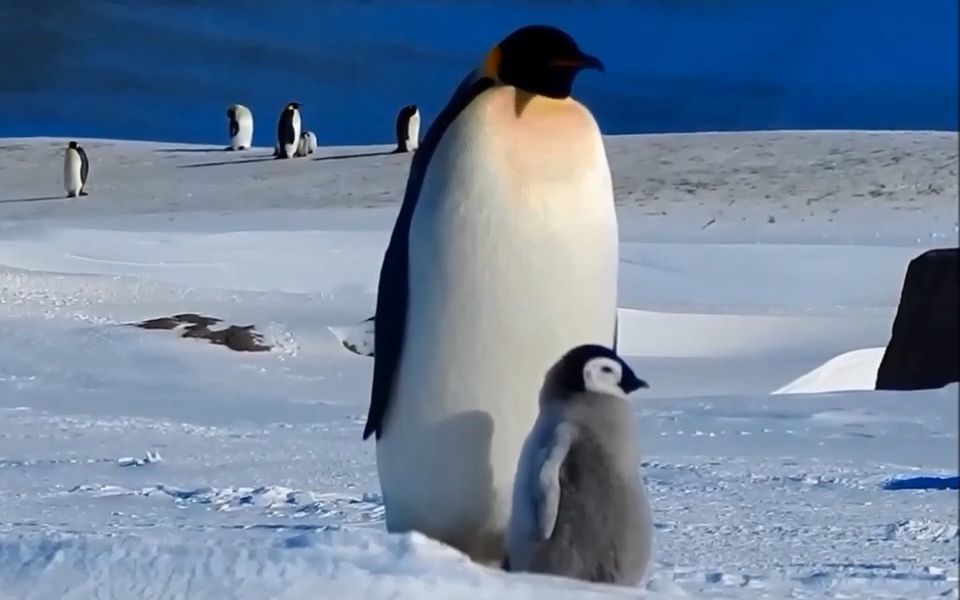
(539, 59)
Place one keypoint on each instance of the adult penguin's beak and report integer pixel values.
(584, 61)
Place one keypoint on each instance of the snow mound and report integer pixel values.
(337, 564)
(854, 370)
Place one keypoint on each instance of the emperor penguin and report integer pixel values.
(504, 255)
(307, 144)
(288, 131)
(408, 128)
(76, 167)
(580, 509)
(240, 123)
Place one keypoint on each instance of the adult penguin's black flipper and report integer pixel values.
(393, 287)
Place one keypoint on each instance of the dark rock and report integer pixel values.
(359, 339)
(196, 331)
(923, 349)
(241, 338)
(158, 323)
(196, 319)
(177, 320)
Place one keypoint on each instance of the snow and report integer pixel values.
(760, 277)
(854, 370)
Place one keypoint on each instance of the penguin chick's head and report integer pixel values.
(539, 59)
(72, 145)
(592, 368)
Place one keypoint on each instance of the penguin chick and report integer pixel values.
(308, 144)
(580, 509)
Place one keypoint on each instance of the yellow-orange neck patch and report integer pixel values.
(491, 64)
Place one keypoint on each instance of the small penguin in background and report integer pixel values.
(76, 167)
(288, 131)
(240, 122)
(580, 509)
(308, 143)
(408, 128)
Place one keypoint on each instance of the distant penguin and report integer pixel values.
(76, 167)
(288, 131)
(504, 255)
(580, 508)
(240, 122)
(308, 143)
(408, 128)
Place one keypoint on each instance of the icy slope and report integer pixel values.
(264, 488)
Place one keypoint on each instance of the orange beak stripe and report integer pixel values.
(567, 62)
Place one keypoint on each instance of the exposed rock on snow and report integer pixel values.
(357, 338)
(924, 350)
(241, 338)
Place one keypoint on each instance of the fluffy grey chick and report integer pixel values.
(580, 509)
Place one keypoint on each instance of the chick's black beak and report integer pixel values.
(631, 383)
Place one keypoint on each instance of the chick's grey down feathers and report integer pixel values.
(580, 508)
(601, 522)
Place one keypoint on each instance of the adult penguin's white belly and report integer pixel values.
(513, 253)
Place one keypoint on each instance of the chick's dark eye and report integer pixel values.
(607, 369)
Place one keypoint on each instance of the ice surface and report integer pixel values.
(265, 488)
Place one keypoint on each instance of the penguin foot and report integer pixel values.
(505, 564)
(83, 193)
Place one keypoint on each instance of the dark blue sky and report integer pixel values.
(166, 69)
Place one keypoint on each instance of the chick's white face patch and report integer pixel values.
(603, 375)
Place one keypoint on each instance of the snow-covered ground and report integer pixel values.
(749, 261)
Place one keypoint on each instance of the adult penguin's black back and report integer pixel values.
(403, 126)
(392, 286)
(234, 124)
(84, 168)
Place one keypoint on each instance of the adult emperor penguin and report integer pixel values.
(76, 167)
(580, 508)
(288, 131)
(503, 256)
(408, 128)
(240, 123)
